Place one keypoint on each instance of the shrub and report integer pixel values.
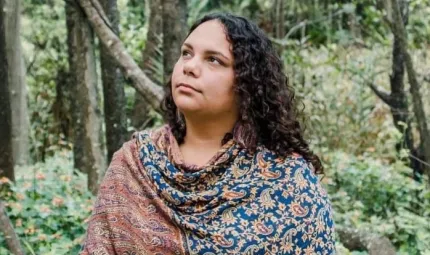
(382, 198)
(48, 206)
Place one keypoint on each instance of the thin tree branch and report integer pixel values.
(419, 160)
(95, 14)
(30, 65)
(384, 96)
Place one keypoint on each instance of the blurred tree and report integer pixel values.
(279, 19)
(113, 89)
(62, 104)
(88, 149)
(397, 98)
(6, 153)
(143, 85)
(394, 10)
(397, 16)
(398, 101)
(17, 84)
(150, 55)
(174, 31)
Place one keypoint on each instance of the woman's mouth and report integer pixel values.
(187, 87)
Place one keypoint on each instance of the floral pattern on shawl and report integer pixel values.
(238, 203)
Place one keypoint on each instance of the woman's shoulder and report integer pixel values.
(299, 173)
(156, 138)
(293, 161)
(150, 135)
(296, 161)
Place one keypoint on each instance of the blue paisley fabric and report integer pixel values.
(238, 203)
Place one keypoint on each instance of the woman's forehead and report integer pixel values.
(210, 35)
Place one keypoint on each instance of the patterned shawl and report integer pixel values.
(151, 202)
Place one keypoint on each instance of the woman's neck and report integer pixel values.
(208, 132)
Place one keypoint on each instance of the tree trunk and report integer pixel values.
(150, 53)
(17, 85)
(353, 23)
(280, 19)
(6, 153)
(174, 32)
(113, 89)
(397, 99)
(280, 23)
(95, 14)
(87, 146)
(398, 29)
(62, 108)
(153, 38)
(399, 103)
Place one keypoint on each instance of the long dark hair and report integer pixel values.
(268, 108)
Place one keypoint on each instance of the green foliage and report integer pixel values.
(419, 20)
(133, 27)
(352, 130)
(348, 125)
(343, 113)
(382, 198)
(48, 207)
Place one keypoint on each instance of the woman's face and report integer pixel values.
(203, 77)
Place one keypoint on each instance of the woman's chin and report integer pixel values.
(188, 107)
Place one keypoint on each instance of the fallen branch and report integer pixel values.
(354, 239)
(148, 89)
(7, 230)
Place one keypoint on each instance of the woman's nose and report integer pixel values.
(192, 67)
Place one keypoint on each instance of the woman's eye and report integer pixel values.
(214, 60)
(185, 53)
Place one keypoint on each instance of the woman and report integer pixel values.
(230, 173)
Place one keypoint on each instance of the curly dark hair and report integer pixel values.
(268, 112)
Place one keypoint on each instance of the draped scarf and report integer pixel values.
(152, 202)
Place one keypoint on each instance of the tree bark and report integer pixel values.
(62, 107)
(6, 228)
(88, 147)
(113, 89)
(6, 153)
(280, 18)
(152, 92)
(398, 101)
(174, 32)
(17, 85)
(362, 240)
(141, 107)
(398, 29)
(280, 23)
(153, 38)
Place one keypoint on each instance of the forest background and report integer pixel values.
(78, 77)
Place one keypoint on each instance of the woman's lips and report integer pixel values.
(187, 86)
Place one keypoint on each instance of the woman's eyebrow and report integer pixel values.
(211, 52)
